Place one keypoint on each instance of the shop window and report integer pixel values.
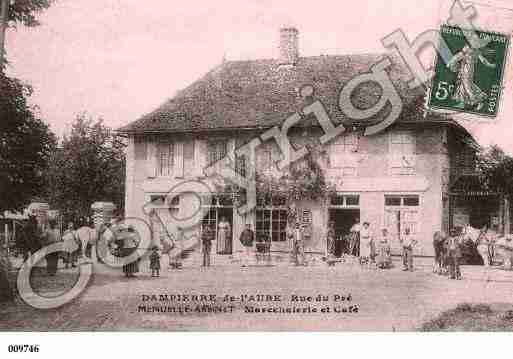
(340, 200)
(401, 212)
(271, 219)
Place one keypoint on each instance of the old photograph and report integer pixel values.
(256, 166)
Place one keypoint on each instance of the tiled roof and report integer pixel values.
(261, 94)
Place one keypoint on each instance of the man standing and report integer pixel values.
(330, 240)
(454, 253)
(207, 236)
(298, 246)
(407, 242)
(247, 237)
(354, 244)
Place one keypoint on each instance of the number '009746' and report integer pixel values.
(23, 348)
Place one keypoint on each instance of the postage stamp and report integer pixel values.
(471, 81)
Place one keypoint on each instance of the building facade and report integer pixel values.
(402, 177)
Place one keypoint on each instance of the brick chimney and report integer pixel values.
(289, 50)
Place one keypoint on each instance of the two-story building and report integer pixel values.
(398, 178)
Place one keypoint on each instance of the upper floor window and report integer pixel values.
(402, 153)
(217, 150)
(240, 165)
(343, 154)
(165, 158)
(264, 157)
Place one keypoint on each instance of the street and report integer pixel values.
(260, 298)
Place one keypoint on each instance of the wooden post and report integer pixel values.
(4, 18)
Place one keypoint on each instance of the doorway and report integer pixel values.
(214, 216)
(344, 219)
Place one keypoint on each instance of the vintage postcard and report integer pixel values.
(254, 166)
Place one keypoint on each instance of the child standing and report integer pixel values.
(155, 262)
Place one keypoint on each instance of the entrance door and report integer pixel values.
(344, 220)
(223, 233)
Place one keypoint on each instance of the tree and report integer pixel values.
(496, 168)
(25, 140)
(89, 166)
(25, 11)
(25, 145)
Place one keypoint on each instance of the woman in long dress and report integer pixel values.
(365, 243)
(130, 244)
(464, 65)
(224, 243)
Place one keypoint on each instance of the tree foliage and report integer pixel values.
(304, 179)
(89, 166)
(25, 146)
(496, 168)
(25, 11)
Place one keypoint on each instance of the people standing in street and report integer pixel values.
(207, 236)
(330, 240)
(408, 242)
(354, 242)
(383, 258)
(224, 235)
(365, 244)
(247, 237)
(454, 254)
(85, 236)
(298, 248)
(71, 246)
(51, 235)
(130, 244)
(155, 262)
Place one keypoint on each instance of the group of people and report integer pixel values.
(449, 250)
(35, 236)
(208, 235)
(370, 249)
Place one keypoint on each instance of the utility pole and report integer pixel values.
(4, 18)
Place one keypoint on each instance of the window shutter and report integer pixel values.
(178, 159)
(188, 158)
(200, 157)
(151, 159)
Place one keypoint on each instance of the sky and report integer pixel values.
(120, 59)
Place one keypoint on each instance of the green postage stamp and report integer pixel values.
(471, 80)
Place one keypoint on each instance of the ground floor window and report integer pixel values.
(345, 200)
(166, 211)
(401, 212)
(271, 222)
